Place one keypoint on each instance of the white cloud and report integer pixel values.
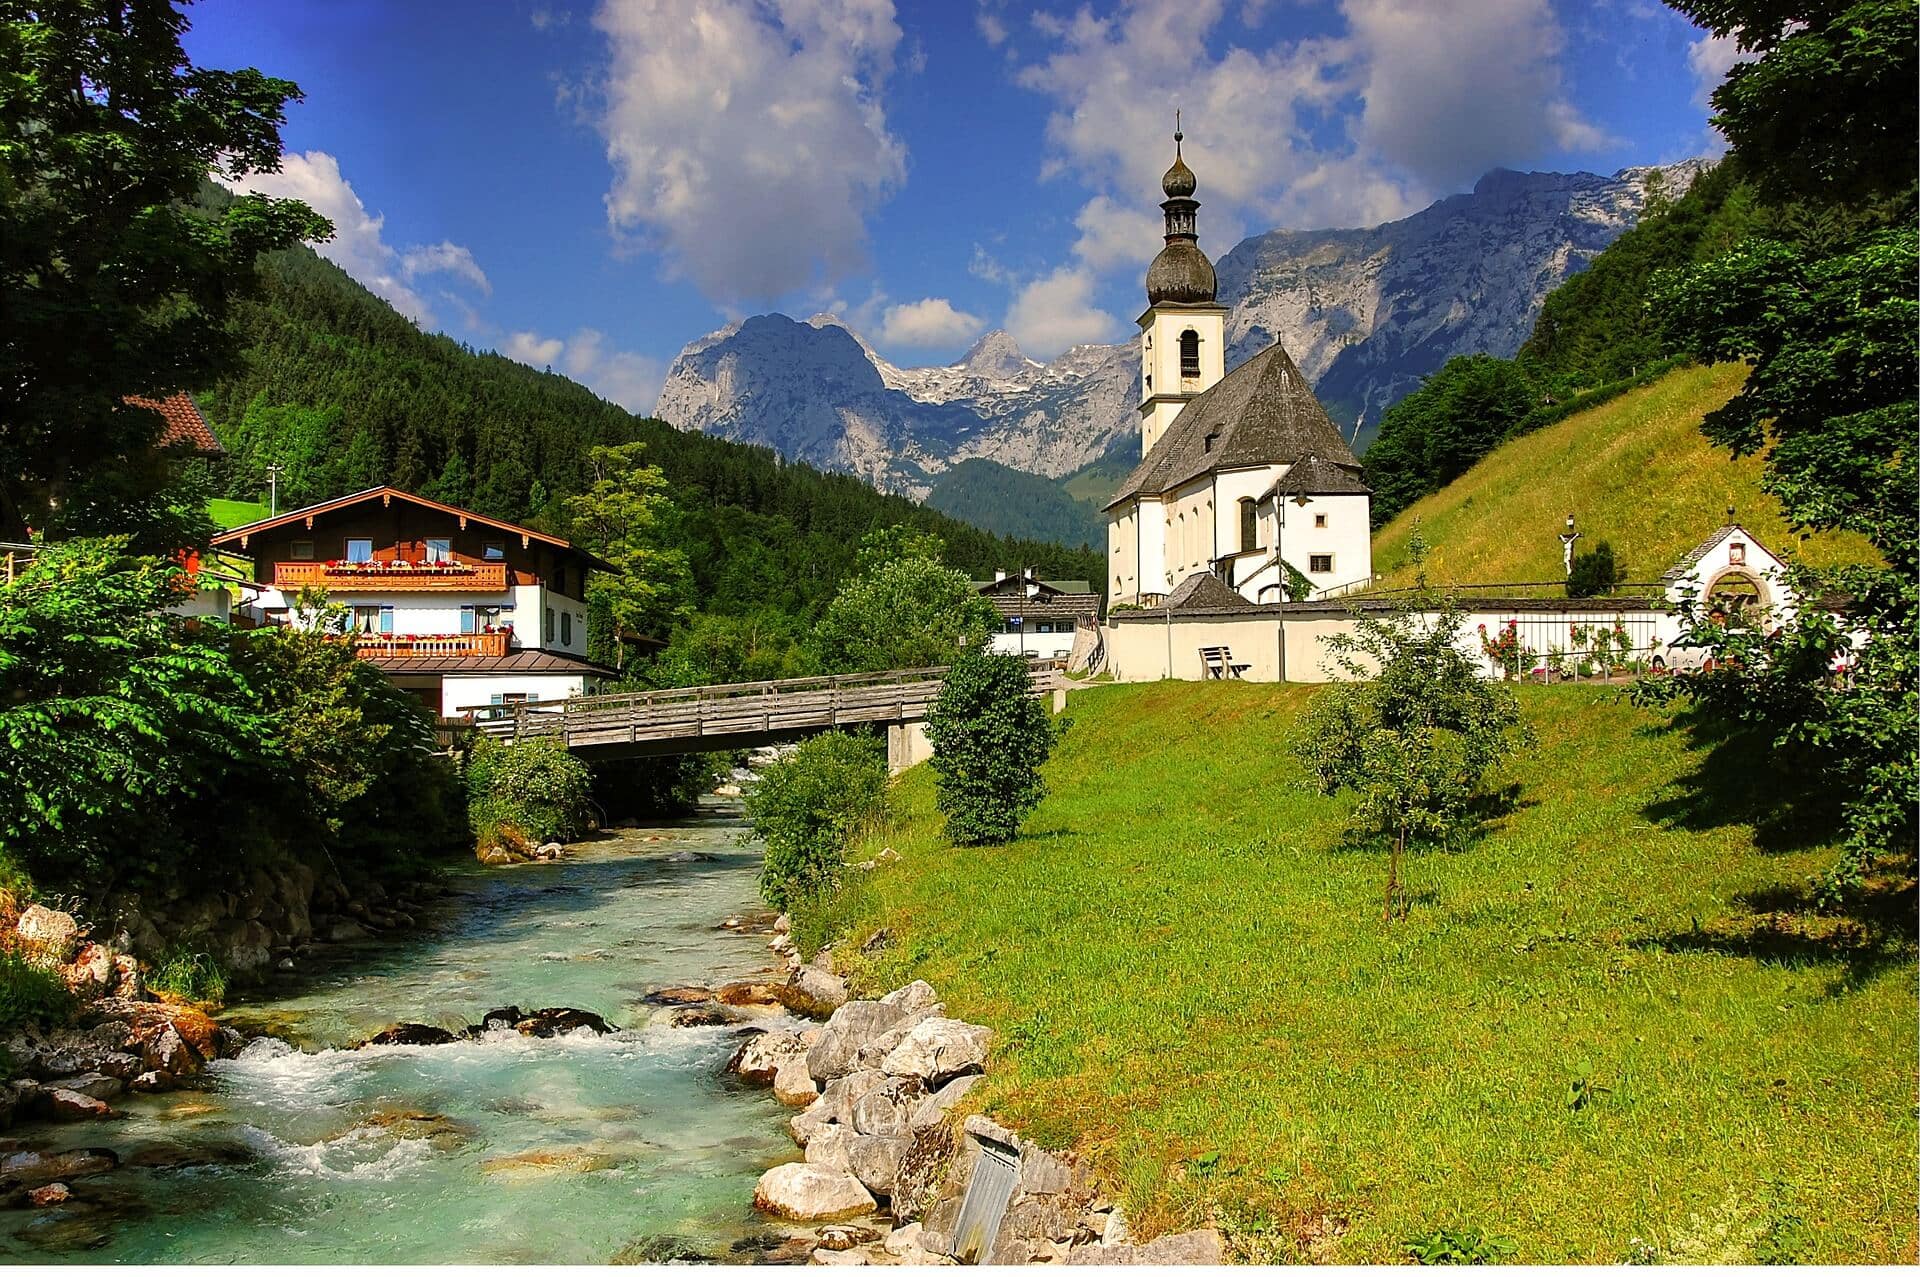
(1056, 311)
(1113, 234)
(626, 377)
(445, 258)
(748, 139)
(992, 29)
(1710, 58)
(931, 321)
(1451, 91)
(359, 245)
(532, 349)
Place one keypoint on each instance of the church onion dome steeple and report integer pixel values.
(1181, 274)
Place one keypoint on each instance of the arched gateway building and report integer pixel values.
(1237, 469)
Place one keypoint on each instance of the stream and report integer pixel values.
(503, 1150)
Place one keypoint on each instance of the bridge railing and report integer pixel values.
(736, 708)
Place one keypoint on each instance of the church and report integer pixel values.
(1242, 475)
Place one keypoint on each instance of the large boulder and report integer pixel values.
(793, 1085)
(875, 1160)
(933, 1110)
(98, 1085)
(168, 1051)
(847, 1030)
(813, 991)
(841, 1094)
(888, 1108)
(552, 1022)
(937, 1050)
(828, 1148)
(809, 1122)
(1201, 1247)
(91, 973)
(64, 1105)
(761, 1056)
(50, 935)
(801, 1191)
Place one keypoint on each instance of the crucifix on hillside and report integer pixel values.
(1567, 539)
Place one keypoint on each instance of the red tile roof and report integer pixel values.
(185, 426)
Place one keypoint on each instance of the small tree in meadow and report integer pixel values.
(990, 734)
(1415, 734)
(808, 807)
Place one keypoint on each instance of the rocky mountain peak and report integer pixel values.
(997, 357)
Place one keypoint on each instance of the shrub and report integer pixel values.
(807, 808)
(1594, 573)
(189, 975)
(1459, 1246)
(535, 784)
(29, 993)
(990, 735)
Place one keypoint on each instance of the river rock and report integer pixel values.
(119, 1064)
(813, 992)
(933, 1110)
(153, 1080)
(912, 998)
(847, 1236)
(828, 1148)
(750, 993)
(848, 1029)
(761, 1056)
(798, 1190)
(683, 995)
(50, 935)
(808, 1123)
(840, 1095)
(548, 851)
(345, 931)
(48, 1194)
(700, 1017)
(72, 1106)
(146, 1022)
(552, 1022)
(498, 1018)
(549, 1162)
(939, 1049)
(875, 1161)
(888, 1108)
(1202, 1246)
(922, 1170)
(97, 1085)
(409, 1034)
(793, 1084)
(90, 975)
(31, 1167)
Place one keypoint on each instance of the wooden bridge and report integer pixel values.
(683, 720)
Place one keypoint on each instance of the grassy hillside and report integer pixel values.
(231, 514)
(1189, 979)
(1636, 471)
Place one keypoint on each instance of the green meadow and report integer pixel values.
(1607, 1032)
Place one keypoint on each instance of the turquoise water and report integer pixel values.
(504, 1150)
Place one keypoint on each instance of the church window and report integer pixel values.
(1319, 563)
(1249, 525)
(1319, 520)
(1189, 354)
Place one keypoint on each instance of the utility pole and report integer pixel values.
(274, 470)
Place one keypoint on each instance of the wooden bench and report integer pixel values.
(1218, 662)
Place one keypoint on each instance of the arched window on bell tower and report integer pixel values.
(1189, 355)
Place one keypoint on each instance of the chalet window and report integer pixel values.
(439, 550)
(548, 631)
(469, 623)
(302, 551)
(1044, 627)
(1189, 354)
(1249, 525)
(566, 628)
(373, 618)
(1013, 625)
(359, 550)
(1319, 520)
(494, 551)
(1319, 563)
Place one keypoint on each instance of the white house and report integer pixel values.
(1039, 619)
(1242, 473)
(467, 612)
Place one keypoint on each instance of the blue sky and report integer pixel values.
(591, 185)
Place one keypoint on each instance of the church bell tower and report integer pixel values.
(1183, 332)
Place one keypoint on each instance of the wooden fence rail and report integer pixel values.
(735, 709)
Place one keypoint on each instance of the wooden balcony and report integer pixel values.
(398, 646)
(466, 578)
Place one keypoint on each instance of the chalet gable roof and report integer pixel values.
(386, 495)
(1262, 413)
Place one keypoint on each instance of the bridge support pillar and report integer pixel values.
(907, 746)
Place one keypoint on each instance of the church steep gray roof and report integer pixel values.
(1204, 590)
(1262, 413)
(1320, 478)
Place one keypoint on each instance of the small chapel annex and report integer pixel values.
(1242, 474)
